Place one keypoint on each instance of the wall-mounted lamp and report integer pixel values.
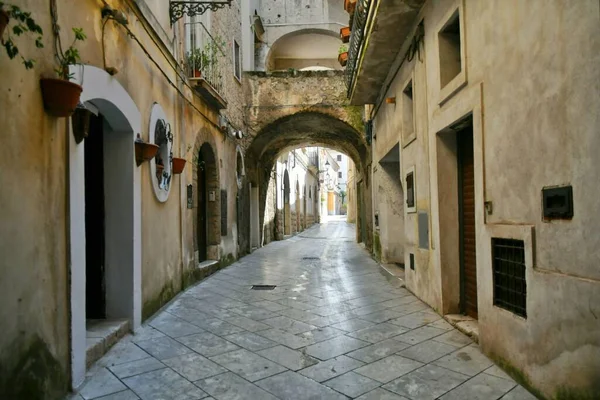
(117, 15)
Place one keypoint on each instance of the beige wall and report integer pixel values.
(34, 232)
(533, 97)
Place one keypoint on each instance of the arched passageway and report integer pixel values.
(308, 129)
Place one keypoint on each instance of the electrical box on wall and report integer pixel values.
(211, 195)
(557, 202)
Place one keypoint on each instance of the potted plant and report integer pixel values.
(144, 151)
(194, 60)
(343, 55)
(60, 95)
(349, 6)
(24, 24)
(345, 34)
(178, 164)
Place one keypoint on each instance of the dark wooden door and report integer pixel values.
(466, 173)
(95, 286)
(202, 211)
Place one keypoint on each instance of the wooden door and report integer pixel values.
(466, 178)
(202, 210)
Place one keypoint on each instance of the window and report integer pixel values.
(339, 157)
(340, 174)
(450, 49)
(410, 191)
(237, 61)
(508, 264)
(408, 127)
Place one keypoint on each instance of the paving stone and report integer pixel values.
(497, 371)
(331, 368)
(145, 333)
(415, 319)
(194, 366)
(124, 395)
(247, 323)
(219, 327)
(427, 351)
(352, 384)
(426, 383)
(229, 386)
(441, 324)
(378, 332)
(136, 367)
(248, 365)
(269, 305)
(334, 347)
(481, 387)
(173, 326)
(519, 393)
(250, 341)
(378, 351)
(207, 344)
(255, 313)
(381, 316)
(454, 338)
(352, 325)
(291, 359)
(468, 360)
(163, 384)
(321, 334)
(102, 383)
(285, 338)
(121, 353)
(420, 335)
(292, 386)
(388, 368)
(163, 347)
(381, 394)
(288, 324)
(298, 305)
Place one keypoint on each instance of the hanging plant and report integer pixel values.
(343, 55)
(144, 151)
(23, 24)
(60, 95)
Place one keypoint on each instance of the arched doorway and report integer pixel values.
(104, 212)
(297, 207)
(287, 215)
(207, 228)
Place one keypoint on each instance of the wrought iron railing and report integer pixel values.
(355, 46)
(204, 57)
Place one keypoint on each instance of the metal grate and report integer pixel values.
(311, 258)
(263, 287)
(508, 263)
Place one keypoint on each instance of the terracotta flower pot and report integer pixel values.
(178, 165)
(343, 58)
(60, 96)
(349, 6)
(197, 73)
(144, 151)
(4, 17)
(345, 34)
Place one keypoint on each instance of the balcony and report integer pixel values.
(379, 29)
(205, 63)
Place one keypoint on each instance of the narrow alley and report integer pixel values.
(334, 327)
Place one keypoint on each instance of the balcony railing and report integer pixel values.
(205, 58)
(356, 40)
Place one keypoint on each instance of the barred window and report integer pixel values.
(510, 286)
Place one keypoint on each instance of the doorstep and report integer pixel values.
(392, 272)
(467, 325)
(101, 335)
(207, 264)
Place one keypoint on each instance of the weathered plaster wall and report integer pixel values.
(529, 97)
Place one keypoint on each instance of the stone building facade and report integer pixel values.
(483, 144)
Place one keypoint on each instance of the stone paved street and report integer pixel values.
(334, 328)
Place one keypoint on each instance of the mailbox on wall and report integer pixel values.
(557, 202)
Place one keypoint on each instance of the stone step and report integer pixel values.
(101, 335)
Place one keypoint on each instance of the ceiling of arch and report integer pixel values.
(307, 46)
(307, 129)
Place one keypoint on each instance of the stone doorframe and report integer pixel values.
(103, 93)
(206, 143)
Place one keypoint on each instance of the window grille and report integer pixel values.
(508, 263)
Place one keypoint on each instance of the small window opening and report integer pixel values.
(449, 48)
(508, 264)
(410, 189)
(408, 127)
(237, 60)
(339, 157)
